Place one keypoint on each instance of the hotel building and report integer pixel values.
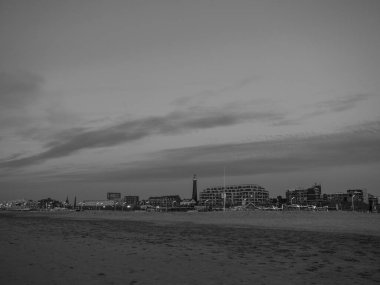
(308, 196)
(235, 195)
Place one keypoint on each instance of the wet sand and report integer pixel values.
(189, 248)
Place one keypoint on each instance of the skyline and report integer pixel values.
(137, 96)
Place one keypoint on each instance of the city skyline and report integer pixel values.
(137, 96)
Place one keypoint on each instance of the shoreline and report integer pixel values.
(334, 222)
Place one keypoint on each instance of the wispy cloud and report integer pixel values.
(174, 123)
(335, 105)
(340, 104)
(11, 157)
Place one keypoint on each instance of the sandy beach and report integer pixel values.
(189, 248)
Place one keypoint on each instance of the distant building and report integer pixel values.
(188, 203)
(49, 203)
(360, 194)
(164, 201)
(357, 199)
(373, 203)
(97, 204)
(308, 196)
(113, 196)
(23, 204)
(336, 197)
(131, 200)
(235, 195)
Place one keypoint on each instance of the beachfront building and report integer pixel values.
(357, 199)
(304, 196)
(164, 201)
(113, 196)
(20, 204)
(188, 203)
(97, 204)
(235, 195)
(131, 200)
(339, 197)
(359, 194)
(373, 203)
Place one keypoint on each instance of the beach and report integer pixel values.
(107, 247)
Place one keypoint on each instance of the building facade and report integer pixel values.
(113, 196)
(357, 199)
(359, 194)
(97, 204)
(304, 196)
(373, 203)
(164, 201)
(234, 195)
(336, 197)
(131, 200)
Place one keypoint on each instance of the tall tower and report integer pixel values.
(195, 194)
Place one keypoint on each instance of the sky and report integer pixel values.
(136, 96)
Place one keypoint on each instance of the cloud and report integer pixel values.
(283, 154)
(18, 89)
(340, 104)
(347, 103)
(279, 155)
(77, 139)
(335, 105)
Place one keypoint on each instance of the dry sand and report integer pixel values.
(189, 248)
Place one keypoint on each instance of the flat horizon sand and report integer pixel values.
(107, 247)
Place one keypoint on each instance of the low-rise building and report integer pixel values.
(97, 204)
(164, 201)
(188, 203)
(113, 196)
